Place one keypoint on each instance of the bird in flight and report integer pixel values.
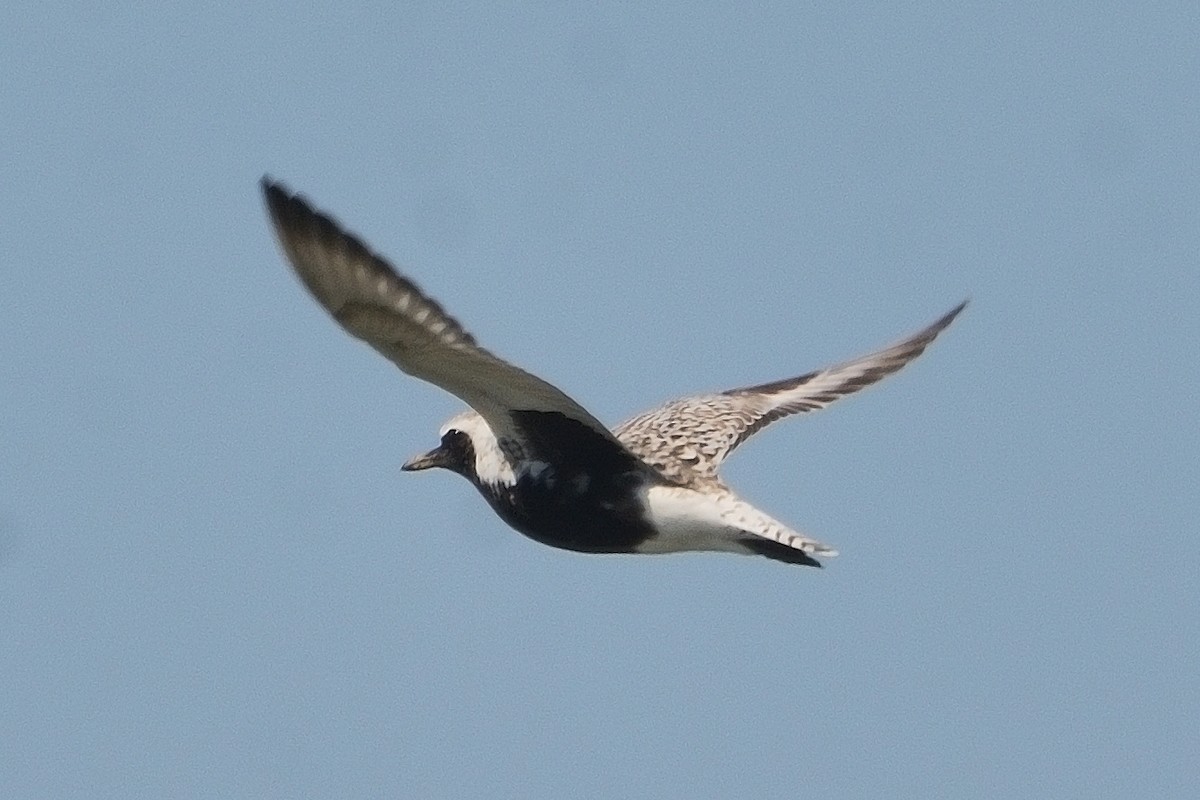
(545, 465)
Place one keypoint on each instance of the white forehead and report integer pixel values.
(470, 423)
(491, 464)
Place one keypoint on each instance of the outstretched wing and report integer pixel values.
(373, 302)
(687, 439)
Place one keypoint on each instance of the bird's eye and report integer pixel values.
(452, 436)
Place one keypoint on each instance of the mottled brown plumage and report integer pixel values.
(688, 439)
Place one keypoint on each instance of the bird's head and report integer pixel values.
(468, 447)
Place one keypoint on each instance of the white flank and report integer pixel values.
(687, 519)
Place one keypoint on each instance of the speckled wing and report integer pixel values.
(688, 439)
(373, 302)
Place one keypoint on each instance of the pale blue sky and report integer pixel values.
(216, 582)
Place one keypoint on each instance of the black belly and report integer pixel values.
(606, 518)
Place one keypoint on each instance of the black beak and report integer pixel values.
(437, 457)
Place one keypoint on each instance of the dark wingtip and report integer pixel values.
(270, 186)
(949, 316)
(291, 213)
(276, 194)
(930, 333)
(780, 552)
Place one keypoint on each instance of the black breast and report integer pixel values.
(577, 489)
(588, 513)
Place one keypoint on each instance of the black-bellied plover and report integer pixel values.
(548, 467)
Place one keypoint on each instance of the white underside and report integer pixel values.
(687, 519)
